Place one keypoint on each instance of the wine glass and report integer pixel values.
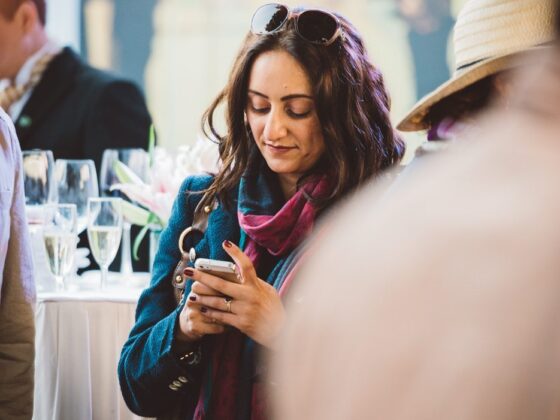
(137, 161)
(77, 182)
(60, 237)
(104, 228)
(38, 172)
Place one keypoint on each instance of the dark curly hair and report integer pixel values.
(351, 102)
(464, 103)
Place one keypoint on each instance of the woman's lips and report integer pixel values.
(277, 149)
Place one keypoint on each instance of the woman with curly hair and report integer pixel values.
(307, 119)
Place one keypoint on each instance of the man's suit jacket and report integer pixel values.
(78, 111)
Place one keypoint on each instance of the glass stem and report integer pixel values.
(104, 273)
(126, 262)
(59, 283)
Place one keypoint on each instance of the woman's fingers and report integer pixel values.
(224, 304)
(216, 283)
(245, 265)
(221, 317)
(201, 289)
(196, 324)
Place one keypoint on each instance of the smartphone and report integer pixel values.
(223, 269)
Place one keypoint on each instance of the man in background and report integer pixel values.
(17, 288)
(58, 102)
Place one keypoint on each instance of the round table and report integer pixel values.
(79, 336)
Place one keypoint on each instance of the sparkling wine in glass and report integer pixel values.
(38, 180)
(104, 228)
(138, 162)
(76, 180)
(60, 238)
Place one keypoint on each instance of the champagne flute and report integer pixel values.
(104, 228)
(38, 180)
(60, 238)
(77, 182)
(137, 161)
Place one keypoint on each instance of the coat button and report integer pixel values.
(173, 387)
(177, 384)
(183, 379)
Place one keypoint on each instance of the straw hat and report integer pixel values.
(487, 35)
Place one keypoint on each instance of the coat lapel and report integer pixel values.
(56, 81)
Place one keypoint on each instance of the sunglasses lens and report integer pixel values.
(268, 18)
(316, 26)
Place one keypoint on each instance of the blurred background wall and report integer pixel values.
(180, 51)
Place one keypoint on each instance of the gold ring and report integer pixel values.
(228, 300)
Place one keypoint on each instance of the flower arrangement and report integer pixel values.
(153, 201)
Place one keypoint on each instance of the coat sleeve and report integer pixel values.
(119, 118)
(17, 298)
(148, 364)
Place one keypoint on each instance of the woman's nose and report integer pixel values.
(275, 127)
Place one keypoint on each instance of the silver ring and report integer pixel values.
(228, 301)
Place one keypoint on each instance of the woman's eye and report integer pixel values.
(296, 113)
(263, 109)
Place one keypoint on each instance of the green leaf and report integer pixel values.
(138, 241)
(125, 175)
(153, 219)
(135, 214)
(151, 145)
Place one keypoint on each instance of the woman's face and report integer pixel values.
(282, 116)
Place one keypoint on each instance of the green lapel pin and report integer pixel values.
(24, 121)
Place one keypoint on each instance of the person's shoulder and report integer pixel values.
(91, 75)
(4, 118)
(7, 130)
(196, 183)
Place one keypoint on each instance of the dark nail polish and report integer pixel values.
(204, 309)
(227, 244)
(188, 272)
(193, 298)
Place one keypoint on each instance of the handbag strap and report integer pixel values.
(199, 225)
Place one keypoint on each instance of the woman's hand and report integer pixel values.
(192, 324)
(254, 306)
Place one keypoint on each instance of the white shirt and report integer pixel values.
(24, 75)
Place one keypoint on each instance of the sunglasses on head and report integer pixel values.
(315, 26)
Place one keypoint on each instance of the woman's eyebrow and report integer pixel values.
(283, 98)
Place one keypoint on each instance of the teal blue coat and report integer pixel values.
(148, 364)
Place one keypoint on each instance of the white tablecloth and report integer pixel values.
(79, 336)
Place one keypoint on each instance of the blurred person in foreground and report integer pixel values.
(58, 102)
(307, 122)
(490, 37)
(442, 302)
(17, 287)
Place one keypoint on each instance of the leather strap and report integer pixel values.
(198, 227)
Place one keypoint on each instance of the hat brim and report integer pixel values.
(415, 119)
